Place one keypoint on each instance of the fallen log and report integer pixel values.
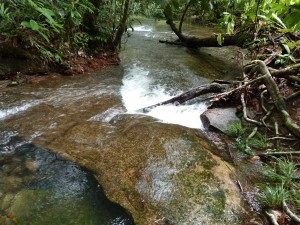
(201, 90)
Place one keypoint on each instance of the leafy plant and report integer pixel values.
(259, 141)
(281, 171)
(273, 196)
(242, 145)
(236, 129)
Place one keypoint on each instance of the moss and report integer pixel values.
(217, 204)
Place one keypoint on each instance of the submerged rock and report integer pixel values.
(162, 174)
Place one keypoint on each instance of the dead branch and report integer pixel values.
(245, 112)
(201, 90)
(293, 96)
(254, 131)
(282, 138)
(237, 89)
(290, 70)
(278, 153)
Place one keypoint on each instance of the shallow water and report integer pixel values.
(38, 187)
(149, 73)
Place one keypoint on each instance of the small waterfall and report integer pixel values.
(139, 90)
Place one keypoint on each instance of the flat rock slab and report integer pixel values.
(161, 173)
(219, 118)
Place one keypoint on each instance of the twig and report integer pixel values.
(262, 103)
(268, 60)
(293, 96)
(240, 186)
(252, 134)
(293, 216)
(238, 88)
(267, 114)
(276, 96)
(294, 78)
(282, 138)
(276, 133)
(278, 153)
(245, 112)
(286, 71)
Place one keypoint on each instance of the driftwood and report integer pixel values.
(201, 90)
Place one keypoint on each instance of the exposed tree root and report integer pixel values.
(259, 67)
(292, 215)
(272, 218)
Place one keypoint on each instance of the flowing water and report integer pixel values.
(38, 187)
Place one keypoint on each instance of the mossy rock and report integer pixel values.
(158, 172)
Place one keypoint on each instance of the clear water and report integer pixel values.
(39, 188)
(160, 74)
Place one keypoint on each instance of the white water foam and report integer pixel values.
(142, 28)
(5, 113)
(138, 91)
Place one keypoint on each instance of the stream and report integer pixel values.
(93, 120)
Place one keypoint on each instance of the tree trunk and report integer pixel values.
(194, 42)
(122, 26)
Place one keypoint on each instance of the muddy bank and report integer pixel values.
(25, 70)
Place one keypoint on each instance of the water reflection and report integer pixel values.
(40, 188)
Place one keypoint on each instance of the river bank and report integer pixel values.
(158, 165)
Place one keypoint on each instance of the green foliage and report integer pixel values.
(153, 10)
(281, 171)
(55, 30)
(228, 21)
(236, 129)
(273, 196)
(281, 184)
(259, 141)
(242, 142)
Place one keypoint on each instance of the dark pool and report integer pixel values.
(38, 187)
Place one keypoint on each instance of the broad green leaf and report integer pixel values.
(220, 39)
(44, 36)
(34, 25)
(287, 49)
(26, 24)
(278, 20)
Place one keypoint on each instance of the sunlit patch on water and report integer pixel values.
(139, 90)
(5, 113)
